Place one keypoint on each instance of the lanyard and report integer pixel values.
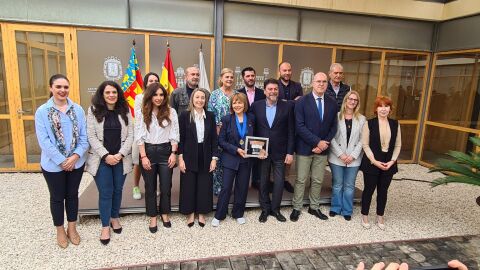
(242, 131)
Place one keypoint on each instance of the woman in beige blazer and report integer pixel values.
(110, 134)
(346, 155)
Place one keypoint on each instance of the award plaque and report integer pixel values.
(256, 146)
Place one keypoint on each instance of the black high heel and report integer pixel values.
(105, 241)
(191, 224)
(117, 231)
(153, 229)
(202, 224)
(166, 224)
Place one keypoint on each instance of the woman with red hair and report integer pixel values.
(381, 140)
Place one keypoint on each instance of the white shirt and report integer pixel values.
(200, 124)
(157, 134)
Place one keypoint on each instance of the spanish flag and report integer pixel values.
(132, 81)
(168, 80)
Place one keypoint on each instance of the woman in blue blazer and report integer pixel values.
(236, 166)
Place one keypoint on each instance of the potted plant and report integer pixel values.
(461, 168)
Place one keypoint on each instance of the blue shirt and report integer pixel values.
(51, 158)
(321, 104)
(271, 110)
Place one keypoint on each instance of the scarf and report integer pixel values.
(56, 126)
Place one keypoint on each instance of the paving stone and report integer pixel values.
(239, 264)
(299, 258)
(206, 265)
(318, 263)
(305, 267)
(430, 246)
(256, 267)
(286, 261)
(406, 249)
(271, 263)
(138, 268)
(254, 260)
(336, 266)
(192, 265)
(398, 254)
(417, 257)
(155, 267)
(311, 254)
(171, 266)
(390, 246)
(222, 264)
(328, 256)
(345, 259)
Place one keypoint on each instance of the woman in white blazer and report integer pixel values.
(346, 155)
(110, 134)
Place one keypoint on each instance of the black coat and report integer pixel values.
(188, 145)
(259, 95)
(282, 133)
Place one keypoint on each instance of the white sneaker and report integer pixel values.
(215, 222)
(241, 220)
(137, 195)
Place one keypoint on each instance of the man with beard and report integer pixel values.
(253, 93)
(180, 97)
(288, 89)
(274, 119)
(336, 88)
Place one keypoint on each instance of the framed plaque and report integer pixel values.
(256, 146)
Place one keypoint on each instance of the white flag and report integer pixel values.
(203, 72)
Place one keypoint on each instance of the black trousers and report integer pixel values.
(278, 182)
(63, 188)
(196, 188)
(158, 155)
(380, 182)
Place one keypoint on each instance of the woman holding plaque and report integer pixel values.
(219, 104)
(236, 166)
(197, 158)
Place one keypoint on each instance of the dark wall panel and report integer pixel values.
(459, 34)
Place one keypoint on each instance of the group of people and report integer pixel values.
(204, 134)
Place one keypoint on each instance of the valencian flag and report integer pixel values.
(132, 81)
(168, 80)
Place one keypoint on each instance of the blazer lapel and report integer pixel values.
(263, 114)
(343, 132)
(206, 124)
(313, 104)
(193, 129)
(277, 112)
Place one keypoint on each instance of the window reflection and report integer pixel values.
(361, 69)
(408, 141)
(455, 96)
(403, 83)
(438, 141)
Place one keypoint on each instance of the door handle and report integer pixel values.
(20, 111)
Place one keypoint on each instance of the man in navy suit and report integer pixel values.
(316, 125)
(274, 119)
(253, 94)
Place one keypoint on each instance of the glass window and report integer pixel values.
(98, 52)
(455, 98)
(184, 53)
(3, 82)
(361, 69)
(408, 141)
(439, 141)
(306, 61)
(403, 78)
(6, 145)
(262, 57)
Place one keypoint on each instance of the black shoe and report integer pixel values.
(317, 213)
(191, 224)
(332, 214)
(153, 229)
(105, 241)
(263, 217)
(347, 217)
(117, 231)
(202, 224)
(166, 224)
(288, 187)
(294, 215)
(278, 216)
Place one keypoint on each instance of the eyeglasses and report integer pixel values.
(320, 82)
(352, 99)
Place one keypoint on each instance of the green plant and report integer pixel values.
(462, 168)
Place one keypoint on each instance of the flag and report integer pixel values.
(132, 81)
(203, 71)
(168, 80)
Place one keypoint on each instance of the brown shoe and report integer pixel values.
(62, 241)
(74, 238)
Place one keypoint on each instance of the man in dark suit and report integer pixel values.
(316, 125)
(336, 88)
(288, 89)
(253, 94)
(274, 119)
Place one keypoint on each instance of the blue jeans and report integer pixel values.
(343, 188)
(109, 180)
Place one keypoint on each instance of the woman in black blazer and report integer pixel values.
(236, 166)
(197, 158)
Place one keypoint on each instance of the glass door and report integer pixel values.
(35, 54)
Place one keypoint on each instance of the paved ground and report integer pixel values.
(417, 253)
